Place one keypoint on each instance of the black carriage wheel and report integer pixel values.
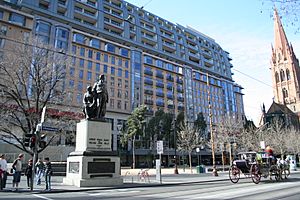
(234, 174)
(255, 173)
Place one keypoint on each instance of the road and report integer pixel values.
(215, 189)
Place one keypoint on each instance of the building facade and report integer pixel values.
(145, 59)
(285, 69)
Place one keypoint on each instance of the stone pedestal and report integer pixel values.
(93, 163)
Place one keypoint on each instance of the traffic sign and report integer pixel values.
(160, 147)
(49, 128)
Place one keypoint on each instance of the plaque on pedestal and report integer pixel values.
(93, 163)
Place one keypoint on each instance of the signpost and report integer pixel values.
(160, 150)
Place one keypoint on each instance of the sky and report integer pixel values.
(244, 28)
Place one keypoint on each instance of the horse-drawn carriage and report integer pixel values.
(255, 165)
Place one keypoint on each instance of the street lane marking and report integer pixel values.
(114, 192)
(39, 196)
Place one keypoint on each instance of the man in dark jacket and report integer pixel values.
(48, 173)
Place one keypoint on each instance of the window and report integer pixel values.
(79, 98)
(119, 93)
(110, 47)
(80, 86)
(112, 71)
(126, 63)
(90, 54)
(42, 30)
(282, 76)
(120, 72)
(105, 58)
(72, 72)
(124, 52)
(105, 68)
(148, 60)
(74, 48)
(1, 14)
(111, 103)
(113, 60)
(17, 19)
(80, 74)
(288, 77)
(61, 38)
(98, 56)
(126, 74)
(276, 77)
(89, 75)
(90, 65)
(119, 82)
(119, 104)
(95, 43)
(81, 62)
(82, 51)
(112, 81)
(120, 62)
(77, 37)
(97, 67)
(71, 83)
(112, 92)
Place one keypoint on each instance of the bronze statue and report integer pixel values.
(95, 100)
(101, 97)
(89, 103)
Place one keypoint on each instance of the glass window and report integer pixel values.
(89, 75)
(113, 61)
(105, 68)
(1, 14)
(81, 62)
(81, 74)
(72, 71)
(82, 51)
(95, 43)
(90, 65)
(71, 83)
(74, 48)
(17, 19)
(105, 58)
(148, 60)
(126, 63)
(126, 74)
(98, 56)
(97, 67)
(42, 27)
(79, 98)
(120, 62)
(159, 63)
(80, 86)
(124, 52)
(119, 72)
(77, 37)
(90, 54)
(110, 47)
(112, 71)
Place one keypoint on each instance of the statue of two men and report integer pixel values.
(95, 100)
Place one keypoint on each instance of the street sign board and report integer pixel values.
(49, 128)
(43, 115)
(262, 145)
(160, 147)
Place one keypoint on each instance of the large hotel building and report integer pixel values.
(145, 59)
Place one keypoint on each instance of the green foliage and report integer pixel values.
(136, 121)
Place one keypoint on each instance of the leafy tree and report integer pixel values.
(31, 77)
(135, 123)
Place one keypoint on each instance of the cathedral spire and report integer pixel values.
(280, 43)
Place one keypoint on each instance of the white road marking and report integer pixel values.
(39, 196)
(114, 192)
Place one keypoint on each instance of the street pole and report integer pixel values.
(175, 147)
(215, 173)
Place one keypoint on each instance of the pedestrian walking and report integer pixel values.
(48, 173)
(17, 170)
(3, 169)
(40, 168)
(28, 173)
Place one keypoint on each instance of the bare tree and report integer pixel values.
(227, 132)
(287, 9)
(31, 77)
(188, 139)
(276, 136)
(292, 141)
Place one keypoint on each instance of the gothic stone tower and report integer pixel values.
(285, 70)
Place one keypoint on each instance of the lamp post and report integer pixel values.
(119, 128)
(212, 136)
(175, 146)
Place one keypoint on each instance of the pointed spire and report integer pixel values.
(280, 43)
